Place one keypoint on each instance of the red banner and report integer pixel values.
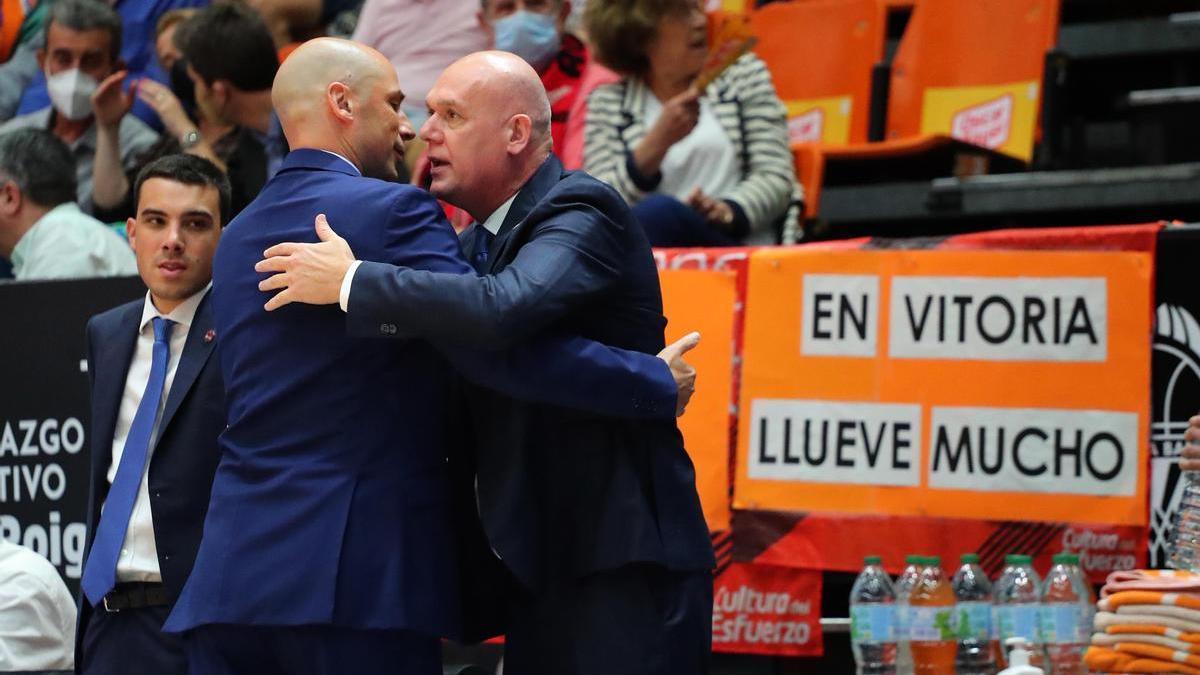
(764, 609)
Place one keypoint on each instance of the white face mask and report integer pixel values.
(71, 93)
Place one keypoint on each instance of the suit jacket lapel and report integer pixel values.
(542, 181)
(113, 356)
(196, 350)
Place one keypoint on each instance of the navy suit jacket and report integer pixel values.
(330, 505)
(562, 493)
(185, 455)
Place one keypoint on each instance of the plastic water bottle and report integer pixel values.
(931, 622)
(1017, 606)
(873, 620)
(973, 591)
(904, 583)
(1067, 604)
(1185, 542)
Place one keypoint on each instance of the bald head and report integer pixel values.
(342, 96)
(509, 86)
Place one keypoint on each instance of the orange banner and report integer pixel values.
(704, 301)
(967, 384)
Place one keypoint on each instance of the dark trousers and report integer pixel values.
(669, 223)
(636, 620)
(309, 650)
(130, 642)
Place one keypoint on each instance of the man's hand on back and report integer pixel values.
(308, 273)
(682, 371)
(1191, 451)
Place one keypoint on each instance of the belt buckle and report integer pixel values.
(107, 608)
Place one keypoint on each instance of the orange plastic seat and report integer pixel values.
(972, 70)
(12, 15)
(820, 54)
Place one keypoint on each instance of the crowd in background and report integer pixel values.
(90, 92)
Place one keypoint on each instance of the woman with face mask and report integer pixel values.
(700, 168)
(188, 127)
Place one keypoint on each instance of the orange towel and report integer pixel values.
(1110, 640)
(1124, 598)
(1151, 580)
(1164, 631)
(1112, 661)
(1159, 653)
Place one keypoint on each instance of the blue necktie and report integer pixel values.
(483, 241)
(100, 570)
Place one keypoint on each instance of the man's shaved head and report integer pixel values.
(488, 131)
(342, 96)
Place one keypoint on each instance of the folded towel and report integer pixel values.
(1188, 616)
(1151, 580)
(1108, 640)
(1158, 653)
(1189, 601)
(1112, 661)
(1166, 625)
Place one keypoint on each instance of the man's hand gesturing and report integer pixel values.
(308, 273)
(682, 371)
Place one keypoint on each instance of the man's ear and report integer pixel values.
(131, 231)
(564, 13)
(341, 101)
(10, 198)
(520, 134)
(41, 59)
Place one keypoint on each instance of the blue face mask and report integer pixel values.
(531, 36)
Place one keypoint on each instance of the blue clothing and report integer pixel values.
(330, 504)
(669, 223)
(181, 469)
(562, 494)
(139, 19)
(309, 650)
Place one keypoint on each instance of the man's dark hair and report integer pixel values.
(81, 15)
(189, 170)
(229, 41)
(40, 164)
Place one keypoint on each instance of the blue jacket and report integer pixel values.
(562, 493)
(330, 505)
(185, 454)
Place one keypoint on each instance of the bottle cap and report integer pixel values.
(1018, 559)
(872, 560)
(934, 561)
(970, 558)
(912, 559)
(1066, 559)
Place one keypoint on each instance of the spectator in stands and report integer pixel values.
(136, 50)
(421, 38)
(535, 30)
(232, 62)
(190, 129)
(152, 378)
(708, 168)
(166, 43)
(83, 40)
(37, 613)
(42, 230)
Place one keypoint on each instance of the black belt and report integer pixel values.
(135, 596)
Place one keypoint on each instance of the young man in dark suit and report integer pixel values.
(596, 518)
(157, 409)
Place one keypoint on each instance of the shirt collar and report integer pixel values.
(496, 220)
(330, 152)
(27, 239)
(183, 315)
(87, 140)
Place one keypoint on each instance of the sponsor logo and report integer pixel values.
(988, 124)
(807, 127)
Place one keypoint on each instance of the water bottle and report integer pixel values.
(1016, 606)
(931, 622)
(1185, 543)
(873, 620)
(973, 591)
(1066, 615)
(904, 583)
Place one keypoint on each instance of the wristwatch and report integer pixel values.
(189, 139)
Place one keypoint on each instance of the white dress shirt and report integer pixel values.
(139, 555)
(37, 613)
(493, 224)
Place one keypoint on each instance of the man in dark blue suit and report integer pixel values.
(329, 545)
(157, 409)
(597, 519)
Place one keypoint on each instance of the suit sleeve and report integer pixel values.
(573, 255)
(550, 367)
